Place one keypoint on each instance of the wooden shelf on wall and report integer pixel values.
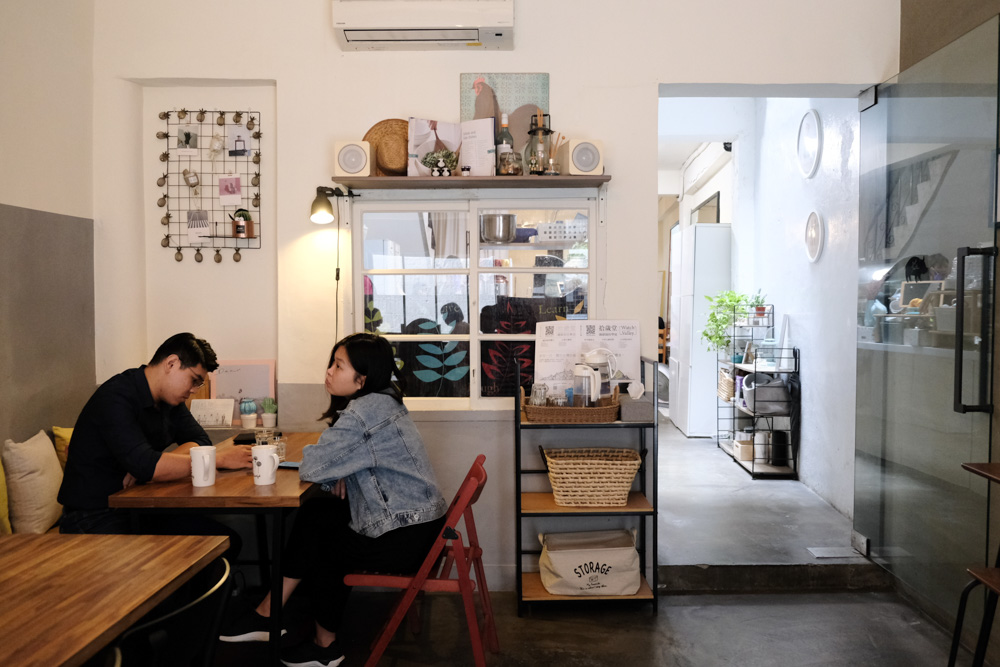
(470, 182)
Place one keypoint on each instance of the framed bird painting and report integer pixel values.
(520, 96)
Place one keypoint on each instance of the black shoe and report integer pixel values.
(248, 626)
(308, 654)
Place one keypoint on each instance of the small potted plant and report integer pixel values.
(722, 314)
(756, 302)
(248, 413)
(269, 418)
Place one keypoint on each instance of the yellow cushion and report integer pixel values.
(4, 512)
(62, 435)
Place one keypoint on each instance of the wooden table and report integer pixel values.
(65, 597)
(235, 492)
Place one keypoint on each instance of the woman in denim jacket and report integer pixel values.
(384, 509)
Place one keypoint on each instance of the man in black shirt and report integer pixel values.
(122, 432)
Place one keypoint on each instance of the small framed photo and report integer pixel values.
(748, 355)
(238, 141)
(230, 191)
(187, 140)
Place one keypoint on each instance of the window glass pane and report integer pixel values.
(500, 360)
(421, 304)
(415, 240)
(546, 237)
(539, 297)
(435, 368)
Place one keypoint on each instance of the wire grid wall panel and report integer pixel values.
(212, 152)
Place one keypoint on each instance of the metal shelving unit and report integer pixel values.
(641, 507)
(764, 442)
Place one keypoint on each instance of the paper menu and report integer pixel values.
(213, 411)
(560, 345)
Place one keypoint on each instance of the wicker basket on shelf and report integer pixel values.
(596, 476)
(566, 415)
(726, 384)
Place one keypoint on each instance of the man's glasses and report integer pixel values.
(197, 381)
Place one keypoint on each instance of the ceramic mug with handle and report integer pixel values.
(203, 465)
(265, 464)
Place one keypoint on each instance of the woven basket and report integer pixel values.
(598, 476)
(726, 385)
(566, 415)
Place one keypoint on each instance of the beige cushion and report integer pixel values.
(33, 478)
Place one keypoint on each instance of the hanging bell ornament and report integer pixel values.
(164, 115)
(197, 256)
(162, 180)
(237, 256)
(250, 123)
(221, 120)
(256, 157)
(255, 181)
(165, 220)
(182, 114)
(162, 201)
(164, 156)
(238, 117)
(218, 256)
(256, 199)
(162, 135)
(201, 115)
(165, 241)
(178, 255)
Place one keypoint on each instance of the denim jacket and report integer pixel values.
(375, 448)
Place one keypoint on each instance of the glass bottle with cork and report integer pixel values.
(505, 151)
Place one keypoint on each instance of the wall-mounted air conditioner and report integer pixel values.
(412, 25)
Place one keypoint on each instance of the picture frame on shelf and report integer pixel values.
(748, 353)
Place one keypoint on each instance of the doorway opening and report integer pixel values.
(729, 156)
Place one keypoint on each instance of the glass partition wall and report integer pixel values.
(928, 173)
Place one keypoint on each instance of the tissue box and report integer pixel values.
(637, 410)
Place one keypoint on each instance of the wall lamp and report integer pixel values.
(322, 211)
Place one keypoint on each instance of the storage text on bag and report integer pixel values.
(591, 568)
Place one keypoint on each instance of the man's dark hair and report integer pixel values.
(190, 350)
(373, 357)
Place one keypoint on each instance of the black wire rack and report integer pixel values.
(211, 148)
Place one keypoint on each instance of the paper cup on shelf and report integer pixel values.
(203, 465)
(265, 464)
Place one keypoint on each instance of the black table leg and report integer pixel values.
(984, 631)
(276, 608)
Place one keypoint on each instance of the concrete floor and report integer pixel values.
(746, 535)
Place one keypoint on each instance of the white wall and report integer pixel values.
(821, 299)
(46, 105)
(206, 298)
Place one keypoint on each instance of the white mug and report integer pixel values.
(203, 465)
(265, 463)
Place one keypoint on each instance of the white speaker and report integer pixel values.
(352, 158)
(581, 157)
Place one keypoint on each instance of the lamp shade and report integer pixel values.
(322, 211)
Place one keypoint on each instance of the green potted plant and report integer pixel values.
(756, 302)
(726, 306)
(269, 418)
(248, 413)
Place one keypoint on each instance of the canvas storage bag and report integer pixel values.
(602, 562)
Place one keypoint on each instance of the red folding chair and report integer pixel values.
(448, 553)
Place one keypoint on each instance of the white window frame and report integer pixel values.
(471, 202)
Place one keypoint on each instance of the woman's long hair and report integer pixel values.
(372, 357)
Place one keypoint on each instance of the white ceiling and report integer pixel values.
(671, 153)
